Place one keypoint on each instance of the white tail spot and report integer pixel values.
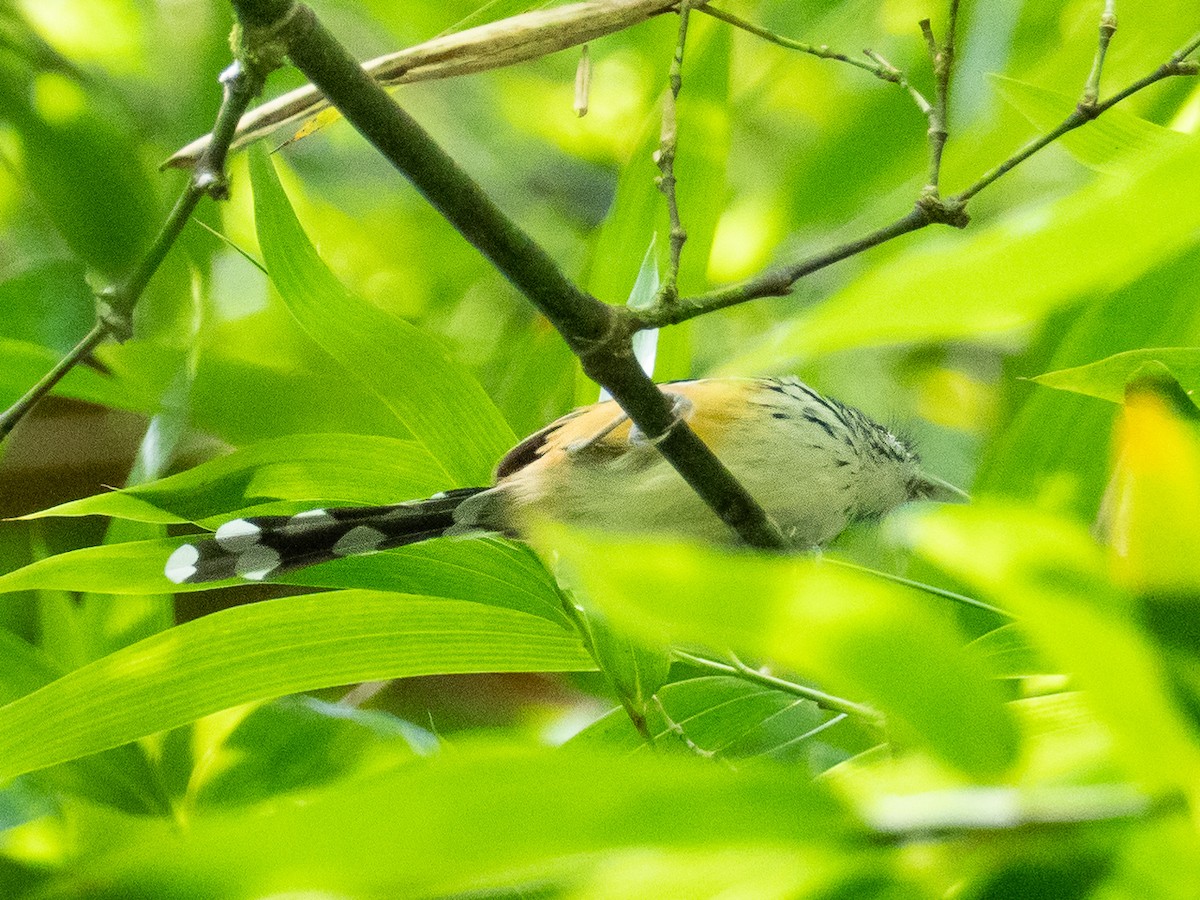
(238, 535)
(307, 520)
(181, 565)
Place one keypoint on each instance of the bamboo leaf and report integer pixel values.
(865, 639)
(439, 402)
(266, 650)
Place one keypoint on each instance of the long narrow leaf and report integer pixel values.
(436, 399)
(346, 468)
(467, 819)
(267, 650)
(484, 571)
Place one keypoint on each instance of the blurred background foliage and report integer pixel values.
(1088, 250)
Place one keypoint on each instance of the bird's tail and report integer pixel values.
(263, 546)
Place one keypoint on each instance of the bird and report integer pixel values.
(816, 465)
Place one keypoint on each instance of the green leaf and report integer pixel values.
(72, 137)
(1048, 446)
(335, 468)
(1104, 142)
(1051, 575)
(439, 402)
(49, 305)
(266, 650)
(299, 743)
(1009, 655)
(480, 816)
(1106, 378)
(244, 398)
(481, 570)
(966, 286)
(862, 638)
(635, 670)
(732, 718)
(22, 364)
(23, 667)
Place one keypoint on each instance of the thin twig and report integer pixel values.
(1108, 27)
(18, 411)
(775, 282)
(665, 159)
(505, 42)
(941, 56)
(901, 79)
(115, 304)
(676, 729)
(822, 51)
(739, 669)
(878, 66)
(1178, 64)
(930, 208)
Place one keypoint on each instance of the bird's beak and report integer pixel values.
(930, 487)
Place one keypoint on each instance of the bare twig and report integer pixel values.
(665, 159)
(776, 282)
(822, 51)
(877, 65)
(1178, 64)
(930, 208)
(901, 79)
(1108, 27)
(676, 729)
(115, 304)
(942, 58)
(18, 411)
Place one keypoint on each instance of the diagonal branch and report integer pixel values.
(595, 332)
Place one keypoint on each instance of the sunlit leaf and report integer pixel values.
(481, 570)
(1052, 575)
(1102, 145)
(340, 468)
(1049, 444)
(865, 639)
(943, 287)
(432, 395)
(266, 650)
(1106, 378)
(298, 743)
(475, 817)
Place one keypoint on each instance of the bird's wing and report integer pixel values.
(713, 405)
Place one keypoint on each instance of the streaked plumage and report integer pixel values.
(815, 464)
